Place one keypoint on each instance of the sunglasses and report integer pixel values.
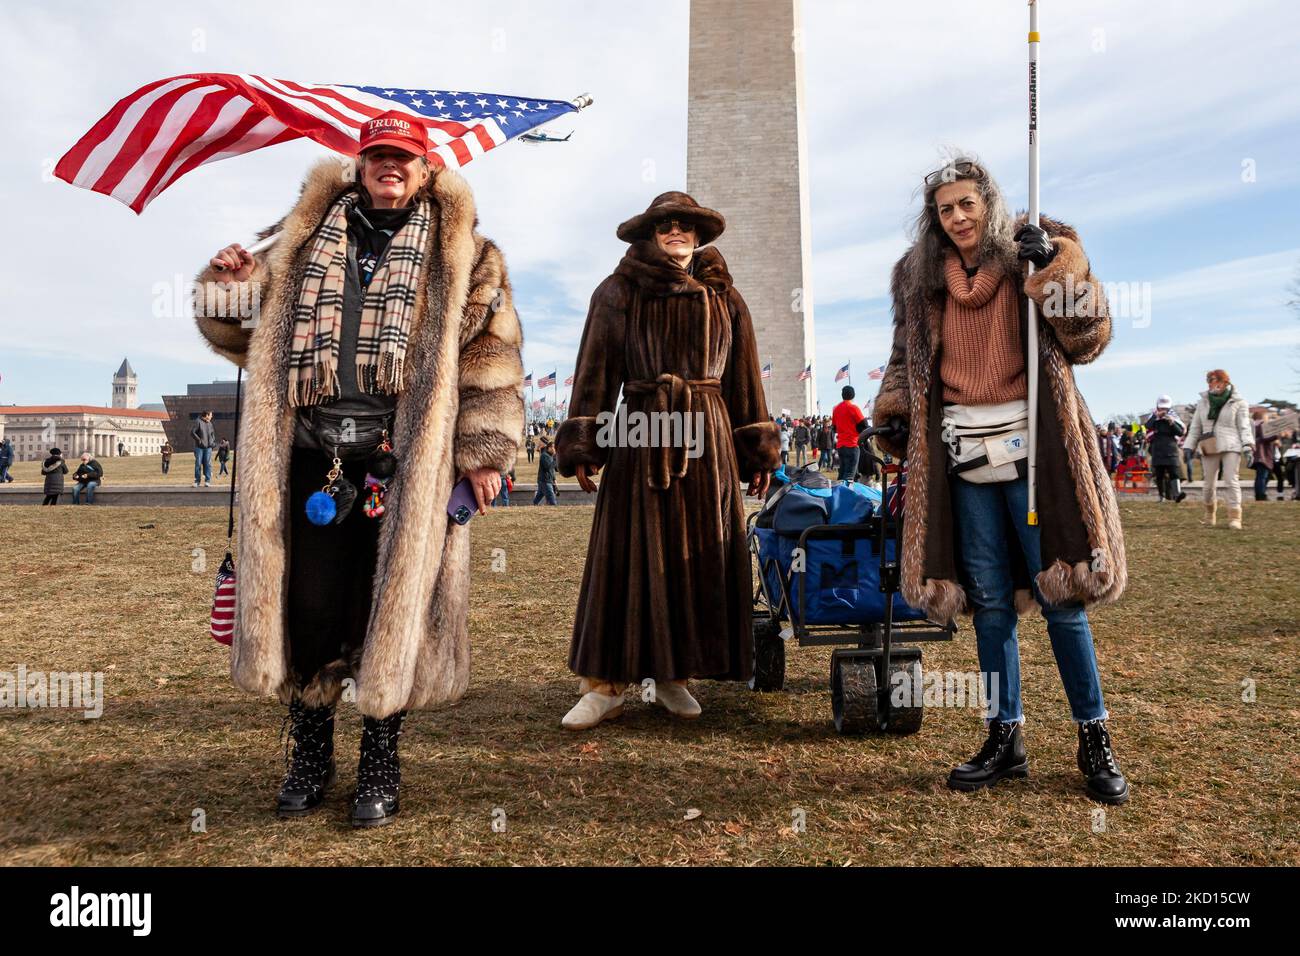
(952, 172)
(665, 226)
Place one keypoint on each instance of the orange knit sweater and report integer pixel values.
(981, 362)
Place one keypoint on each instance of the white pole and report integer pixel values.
(1033, 306)
(260, 246)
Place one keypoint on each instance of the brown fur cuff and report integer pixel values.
(758, 448)
(575, 444)
(1072, 301)
(227, 312)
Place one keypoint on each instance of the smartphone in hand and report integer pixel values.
(462, 505)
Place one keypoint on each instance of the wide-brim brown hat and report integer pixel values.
(709, 223)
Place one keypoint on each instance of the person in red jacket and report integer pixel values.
(849, 421)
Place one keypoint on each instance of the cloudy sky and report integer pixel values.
(1169, 141)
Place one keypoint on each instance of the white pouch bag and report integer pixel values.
(987, 443)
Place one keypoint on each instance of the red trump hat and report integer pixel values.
(395, 129)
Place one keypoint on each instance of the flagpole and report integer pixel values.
(1032, 517)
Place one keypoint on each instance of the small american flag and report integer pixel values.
(528, 380)
(842, 374)
(223, 603)
(538, 405)
(569, 380)
(897, 494)
(806, 373)
(169, 127)
(546, 381)
(876, 373)
(767, 370)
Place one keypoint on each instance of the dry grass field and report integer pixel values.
(113, 590)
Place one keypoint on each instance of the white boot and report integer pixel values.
(591, 710)
(677, 700)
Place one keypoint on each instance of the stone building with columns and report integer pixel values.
(35, 429)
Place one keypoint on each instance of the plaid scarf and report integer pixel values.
(386, 309)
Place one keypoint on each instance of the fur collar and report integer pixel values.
(652, 270)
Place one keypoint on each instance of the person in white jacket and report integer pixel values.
(1221, 430)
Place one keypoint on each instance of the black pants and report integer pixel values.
(331, 570)
(51, 500)
(1167, 481)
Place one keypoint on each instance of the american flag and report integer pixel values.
(538, 405)
(842, 374)
(877, 373)
(222, 624)
(806, 373)
(546, 381)
(569, 380)
(169, 127)
(767, 370)
(528, 380)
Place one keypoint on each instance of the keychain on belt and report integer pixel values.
(379, 472)
(332, 503)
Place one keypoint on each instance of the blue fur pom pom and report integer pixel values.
(321, 508)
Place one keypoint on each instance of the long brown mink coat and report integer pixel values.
(460, 408)
(666, 592)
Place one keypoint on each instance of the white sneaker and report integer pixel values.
(591, 710)
(677, 700)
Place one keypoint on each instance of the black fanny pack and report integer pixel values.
(347, 436)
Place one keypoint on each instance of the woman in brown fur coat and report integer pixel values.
(666, 592)
(379, 303)
(955, 390)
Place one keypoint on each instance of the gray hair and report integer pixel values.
(932, 243)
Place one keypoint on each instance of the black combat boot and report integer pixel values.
(311, 769)
(378, 774)
(1003, 755)
(1097, 763)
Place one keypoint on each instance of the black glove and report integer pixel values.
(1034, 245)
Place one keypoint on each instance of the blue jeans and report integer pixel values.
(203, 462)
(89, 488)
(984, 516)
(545, 489)
(824, 459)
(849, 463)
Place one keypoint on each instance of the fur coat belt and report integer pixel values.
(672, 395)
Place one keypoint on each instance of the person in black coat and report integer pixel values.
(1164, 430)
(53, 468)
(546, 475)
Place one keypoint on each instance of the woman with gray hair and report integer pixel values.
(955, 399)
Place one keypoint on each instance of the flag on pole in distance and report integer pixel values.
(538, 405)
(546, 381)
(806, 373)
(842, 374)
(528, 380)
(569, 380)
(876, 373)
(767, 370)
